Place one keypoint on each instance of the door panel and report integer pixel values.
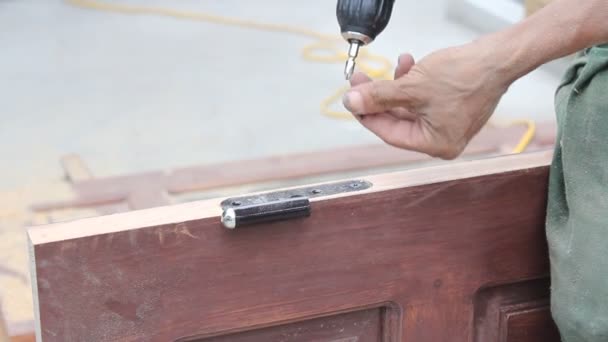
(438, 254)
(518, 312)
(363, 325)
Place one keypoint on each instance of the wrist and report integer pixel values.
(558, 30)
(519, 50)
(504, 56)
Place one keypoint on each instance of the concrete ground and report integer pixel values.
(133, 93)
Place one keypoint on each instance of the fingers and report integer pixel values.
(404, 64)
(359, 78)
(369, 97)
(375, 97)
(391, 119)
(405, 134)
(355, 80)
(413, 135)
(402, 113)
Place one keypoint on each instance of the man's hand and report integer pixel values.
(435, 106)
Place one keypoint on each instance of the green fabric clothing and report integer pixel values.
(577, 212)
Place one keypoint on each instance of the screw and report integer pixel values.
(355, 185)
(236, 203)
(317, 191)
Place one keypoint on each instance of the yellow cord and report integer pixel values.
(326, 49)
(526, 139)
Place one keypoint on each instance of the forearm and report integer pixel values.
(560, 29)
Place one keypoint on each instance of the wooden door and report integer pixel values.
(450, 253)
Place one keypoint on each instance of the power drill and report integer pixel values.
(361, 21)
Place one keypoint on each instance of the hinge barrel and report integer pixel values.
(267, 212)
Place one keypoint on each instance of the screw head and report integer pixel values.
(229, 218)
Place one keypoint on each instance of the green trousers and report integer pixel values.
(577, 213)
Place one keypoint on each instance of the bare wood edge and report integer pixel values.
(3, 328)
(34, 286)
(210, 208)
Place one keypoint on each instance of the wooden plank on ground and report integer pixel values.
(75, 169)
(424, 255)
(151, 189)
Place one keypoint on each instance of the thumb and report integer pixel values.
(375, 97)
(404, 64)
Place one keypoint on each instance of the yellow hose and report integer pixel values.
(325, 49)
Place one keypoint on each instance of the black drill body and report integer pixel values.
(361, 21)
(366, 17)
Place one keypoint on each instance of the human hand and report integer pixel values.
(435, 106)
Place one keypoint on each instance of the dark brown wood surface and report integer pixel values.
(455, 258)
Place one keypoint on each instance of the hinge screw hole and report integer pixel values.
(316, 191)
(236, 203)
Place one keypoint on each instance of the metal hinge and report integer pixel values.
(281, 205)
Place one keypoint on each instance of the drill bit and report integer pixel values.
(353, 52)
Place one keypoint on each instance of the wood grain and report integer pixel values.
(210, 208)
(424, 242)
(363, 325)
